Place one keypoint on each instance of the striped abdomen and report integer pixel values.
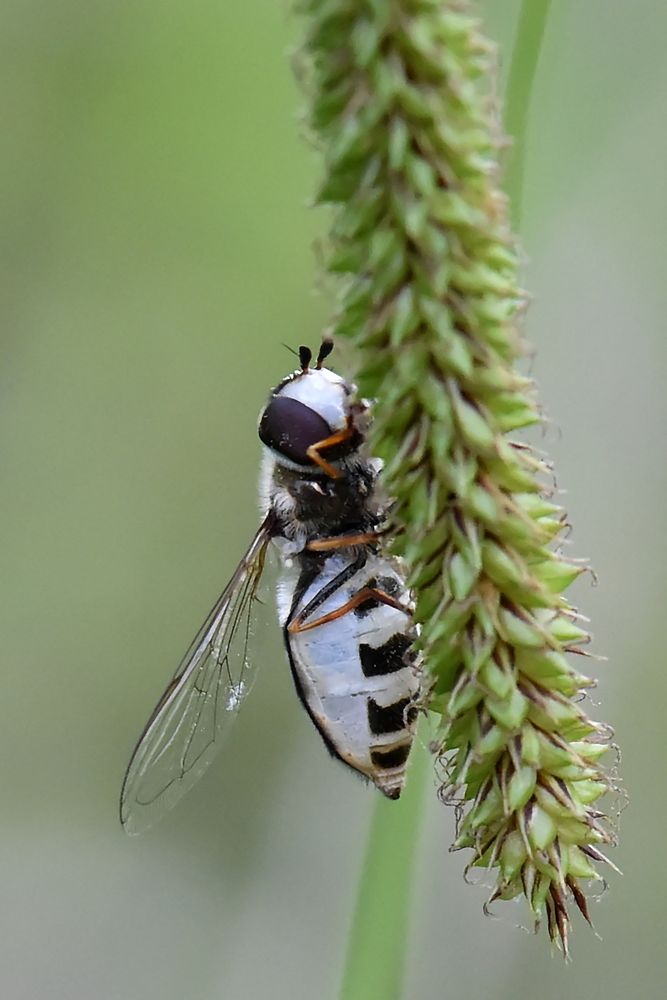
(355, 673)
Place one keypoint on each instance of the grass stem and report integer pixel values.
(375, 959)
(520, 84)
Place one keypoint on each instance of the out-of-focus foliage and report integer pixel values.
(157, 250)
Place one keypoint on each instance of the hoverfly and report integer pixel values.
(343, 606)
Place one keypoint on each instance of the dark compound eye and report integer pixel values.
(291, 427)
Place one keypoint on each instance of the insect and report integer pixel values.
(343, 606)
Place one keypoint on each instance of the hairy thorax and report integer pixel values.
(309, 506)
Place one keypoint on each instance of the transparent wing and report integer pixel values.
(183, 734)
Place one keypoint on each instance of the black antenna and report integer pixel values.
(305, 355)
(290, 349)
(325, 350)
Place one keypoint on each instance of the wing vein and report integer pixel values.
(183, 733)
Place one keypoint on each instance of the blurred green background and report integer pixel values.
(157, 250)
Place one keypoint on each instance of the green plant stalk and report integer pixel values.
(401, 104)
(375, 959)
(523, 68)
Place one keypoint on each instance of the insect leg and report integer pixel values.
(314, 450)
(365, 594)
(341, 541)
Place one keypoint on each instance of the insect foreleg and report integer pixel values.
(314, 450)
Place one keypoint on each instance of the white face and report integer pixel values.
(323, 391)
(307, 411)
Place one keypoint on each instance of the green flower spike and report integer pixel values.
(402, 108)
